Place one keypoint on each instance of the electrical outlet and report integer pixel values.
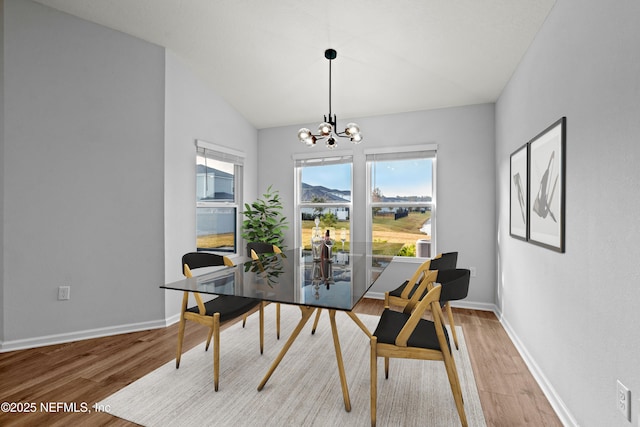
(624, 400)
(64, 293)
(473, 271)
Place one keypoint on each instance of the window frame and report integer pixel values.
(402, 153)
(237, 158)
(307, 160)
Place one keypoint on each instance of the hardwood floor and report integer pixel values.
(86, 372)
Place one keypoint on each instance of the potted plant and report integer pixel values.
(264, 221)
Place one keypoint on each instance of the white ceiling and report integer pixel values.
(266, 57)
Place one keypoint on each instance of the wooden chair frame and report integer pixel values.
(212, 322)
(404, 297)
(254, 256)
(416, 308)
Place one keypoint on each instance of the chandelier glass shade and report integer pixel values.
(327, 129)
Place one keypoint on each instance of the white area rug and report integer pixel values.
(304, 390)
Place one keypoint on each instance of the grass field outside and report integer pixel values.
(391, 236)
(215, 241)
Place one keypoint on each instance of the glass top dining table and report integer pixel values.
(293, 277)
(334, 281)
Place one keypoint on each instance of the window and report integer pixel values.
(323, 187)
(218, 195)
(401, 202)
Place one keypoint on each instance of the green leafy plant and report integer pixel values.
(329, 219)
(264, 221)
(408, 250)
(267, 266)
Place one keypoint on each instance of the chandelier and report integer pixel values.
(327, 129)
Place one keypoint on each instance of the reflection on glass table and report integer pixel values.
(295, 277)
(289, 278)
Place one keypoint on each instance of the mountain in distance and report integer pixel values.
(328, 194)
(401, 199)
(333, 195)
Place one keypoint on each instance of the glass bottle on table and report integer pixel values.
(316, 243)
(328, 243)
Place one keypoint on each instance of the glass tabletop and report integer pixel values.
(334, 281)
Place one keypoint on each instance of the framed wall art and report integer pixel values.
(519, 179)
(546, 200)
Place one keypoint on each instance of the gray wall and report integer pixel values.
(83, 176)
(576, 314)
(84, 142)
(99, 175)
(465, 178)
(194, 111)
(1, 170)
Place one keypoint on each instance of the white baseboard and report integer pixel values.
(21, 344)
(556, 402)
(173, 319)
(482, 306)
(374, 295)
(554, 399)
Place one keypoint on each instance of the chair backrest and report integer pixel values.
(254, 248)
(416, 308)
(455, 284)
(445, 261)
(195, 260)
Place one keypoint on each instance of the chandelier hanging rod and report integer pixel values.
(327, 128)
(330, 54)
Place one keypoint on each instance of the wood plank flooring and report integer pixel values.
(86, 372)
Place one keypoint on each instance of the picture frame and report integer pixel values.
(546, 200)
(518, 195)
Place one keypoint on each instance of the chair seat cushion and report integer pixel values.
(398, 291)
(423, 336)
(228, 306)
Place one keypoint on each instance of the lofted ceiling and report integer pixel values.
(266, 57)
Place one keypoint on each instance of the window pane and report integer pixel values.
(403, 231)
(326, 193)
(215, 228)
(326, 184)
(402, 180)
(214, 180)
(336, 220)
(401, 205)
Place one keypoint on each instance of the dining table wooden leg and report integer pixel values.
(262, 304)
(306, 314)
(336, 345)
(315, 322)
(278, 320)
(358, 322)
